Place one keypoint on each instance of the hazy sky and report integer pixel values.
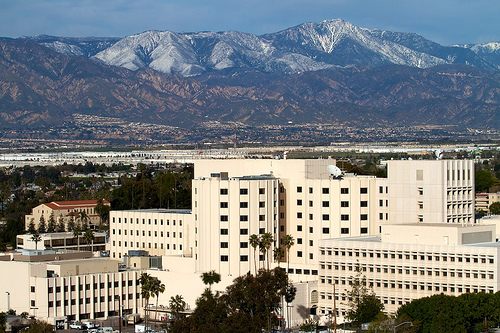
(444, 21)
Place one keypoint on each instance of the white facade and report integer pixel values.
(158, 231)
(62, 240)
(484, 200)
(409, 262)
(68, 289)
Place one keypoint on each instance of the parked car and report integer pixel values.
(90, 324)
(76, 325)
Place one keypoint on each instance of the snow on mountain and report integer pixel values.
(306, 47)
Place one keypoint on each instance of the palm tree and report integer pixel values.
(89, 238)
(157, 288)
(145, 282)
(210, 278)
(76, 234)
(254, 242)
(103, 211)
(278, 254)
(288, 242)
(36, 238)
(266, 241)
(177, 305)
(84, 218)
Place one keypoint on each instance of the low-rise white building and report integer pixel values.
(408, 262)
(62, 240)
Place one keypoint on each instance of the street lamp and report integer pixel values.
(8, 301)
(406, 322)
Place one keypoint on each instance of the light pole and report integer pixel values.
(406, 322)
(8, 301)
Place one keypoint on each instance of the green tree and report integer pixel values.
(484, 180)
(364, 306)
(42, 228)
(157, 288)
(278, 254)
(31, 226)
(266, 241)
(145, 281)
(40, 327)
(71, 223)
(88, 236)
(209, 278)
(102, 210)
(36, 238)
(76, 234)
(495, 208)
(60, 225)
(177, 305)
(288, 242)
(83, 217)
(51, 225)
(254, 241)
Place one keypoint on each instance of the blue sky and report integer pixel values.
(444, 21)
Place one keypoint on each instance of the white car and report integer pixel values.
(90, 324)
(76, 326)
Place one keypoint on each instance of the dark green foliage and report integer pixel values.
(484, 180)
(495, 208)
(248, 305)
(442, 313)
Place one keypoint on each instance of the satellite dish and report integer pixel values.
(334, 170)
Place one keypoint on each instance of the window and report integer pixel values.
(299, 202)
(326, 203)
(364, 217)
(223, 205)
(243, 231)
(344, 190)
(224, 245)
(224, 232)
(243, 245)
(243, 218)
(243, 258)
(262, 191)
(299, 241)
(224, 218)
(344, 217)
(311, 256)
(224, 258)
(263, 204)
(326, 230)
(299, 228)
(299, 189)
(344, 231)
(363, 190)
(310, 190)
(299, 215)
(344, 204)
(299, 254)
(311, 230)
(326, 190)
(244, 204)
(223, 191)
(262, 217)
(364, 230)
(363, 204)
(311, 216)
(326, 217)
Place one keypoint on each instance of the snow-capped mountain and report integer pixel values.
(306, 47)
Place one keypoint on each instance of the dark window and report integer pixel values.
(299, 228)
(223, 231)
(364, 230)
(326, 203)
(364, 217)
(311, 230)
(344, 190)
(326, 230)
(223, 191)
(299, 240)
(299, 254)
(224, 245)
(243, 231)
(363, 203)
(299, 189)
(326, 190)
(262, 191)
(224, 258)
(344, 204)
(344, 217)
(310, 190)
(243, 191)
(243, 218)
(244, 204)
(224, 218)
(223, 205)
(363, 190)
(326, 217)
(344, 231)
(299, 215)
(243, 245)
(299, 202)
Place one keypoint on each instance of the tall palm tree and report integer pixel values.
(278, 254)
(254, 241)
(76, 234)
(266, 241)
(84, 218)
(288, 242)
(157, 288)
(210, 278)
(145, 282)
(36, 238)
(89, 238)
(177, 305)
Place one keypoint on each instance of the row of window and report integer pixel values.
(144, 233)
(87, 300)
(144, 221)
(155, 245)
(326, 217)
(409, 255)
(243, 191)
(326, 190)
(344, 203)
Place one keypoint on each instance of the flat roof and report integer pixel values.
(156, 210)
